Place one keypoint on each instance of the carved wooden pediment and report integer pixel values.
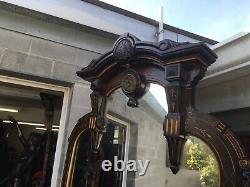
(131, 65)
(129, 50)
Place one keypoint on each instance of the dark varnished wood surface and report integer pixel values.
(178, 67)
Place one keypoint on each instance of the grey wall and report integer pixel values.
(147, 142)
(40, 50)
(225, 90)
(237, 119)
(227, 95)
(226, 85)
(97, 17)
(38, 57)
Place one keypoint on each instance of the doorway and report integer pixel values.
(29, 131)
(114, 144)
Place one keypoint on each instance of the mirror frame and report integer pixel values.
(130, 65)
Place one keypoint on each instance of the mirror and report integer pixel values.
(81, 170)
(199, 167)
(199, 159)
(144, 142)
(134, 152)
(141, 139)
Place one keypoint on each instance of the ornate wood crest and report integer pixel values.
(178, 67)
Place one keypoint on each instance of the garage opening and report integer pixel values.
(29, 125)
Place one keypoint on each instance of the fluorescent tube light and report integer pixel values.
(44, 129)
(31, 124)
(26, 123)
(8, 110)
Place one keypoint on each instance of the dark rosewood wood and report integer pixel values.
(232, 158)
(178, 67)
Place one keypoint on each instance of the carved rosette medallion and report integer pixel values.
(130, 83)
(245, 164)
(133, 87)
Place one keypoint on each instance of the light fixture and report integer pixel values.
(8, 110)
(44, 129)
(26, 123)
(31, 124)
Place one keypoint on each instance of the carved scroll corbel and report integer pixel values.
(180, 92)
(175, 120)
(174, 133)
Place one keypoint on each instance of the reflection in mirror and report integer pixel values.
(200, 164)
(113, 144)
(143, 138)
(82, 170)
(135, 135)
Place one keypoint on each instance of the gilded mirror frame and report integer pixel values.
(131, 65)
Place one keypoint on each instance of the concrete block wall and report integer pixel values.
(223, 96)
(58, 33)
(30, 48)
(226, 84)
(38, 57)
(146, 140)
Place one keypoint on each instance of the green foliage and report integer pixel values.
(199, 157)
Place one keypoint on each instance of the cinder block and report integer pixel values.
(14, 41)
(24, 63)
(132, 152)
(53, 50)
(130, 182)
(65, 72)
(139, 182)
(133, 135)
(81, 95)
(141, 151)
(83, 57)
